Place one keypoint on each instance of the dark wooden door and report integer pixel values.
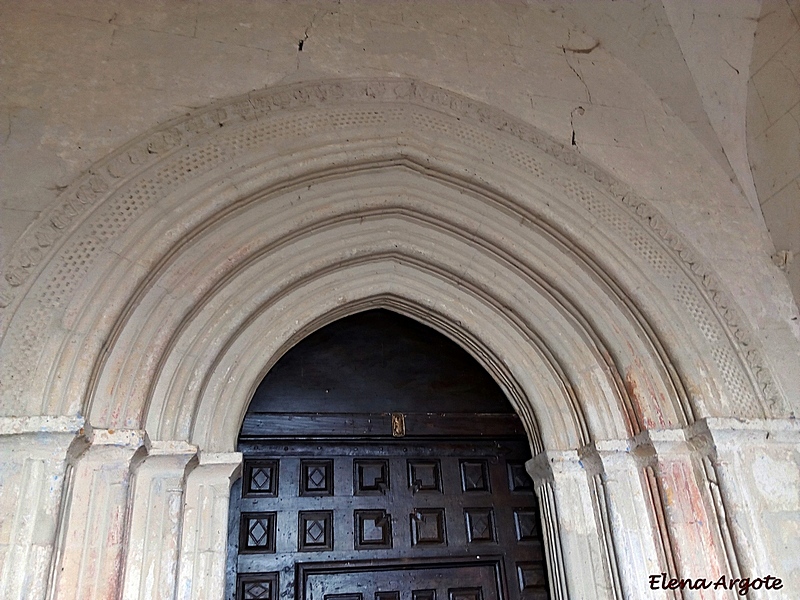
(340, 509)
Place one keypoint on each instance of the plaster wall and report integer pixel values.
(773, 133)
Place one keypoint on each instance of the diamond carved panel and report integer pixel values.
(315, 531)
(370, 477)
(526, 523)
(258, 586)
(261, 478)
(480, 524)
(257, 532)
(531, 577)
(423, 595)
(316, 478)
(518, 478)
(475, 593)
(475, 476)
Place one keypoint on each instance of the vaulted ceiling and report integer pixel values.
(731, 72)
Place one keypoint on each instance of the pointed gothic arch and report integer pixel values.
(221, 238)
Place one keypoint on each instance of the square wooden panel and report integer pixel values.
(518, 479)
(257, 532)
(424, 476)
(531, 577)
(257, 586)
(475, 476)
(423, 595)
(315, 530)
(373, 529)
(480, 524)
(387, 595)
(527, 525)
(428, 527)
(354, 596)
(260, 478)
(474, 593)
(370, 477)
(316, 478)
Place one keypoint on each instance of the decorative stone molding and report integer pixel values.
(719, 433)
(154, 526)
(554, 552)
(573, 513)
(91, 539)
(702, 488)
(201, 572)
(753, 470)
(108, 199)
(34, 453)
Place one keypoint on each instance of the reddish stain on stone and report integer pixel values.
(696, 549)
(642, 408)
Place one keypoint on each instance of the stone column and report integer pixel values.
(632, 518)
(201, 570)
(578, 545)
(88, 561)
(33, 453)
(754, 472)
(151, 562)
(694, 537)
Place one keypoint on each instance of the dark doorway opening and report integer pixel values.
(382, 462)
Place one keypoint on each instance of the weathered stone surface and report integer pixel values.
(565, 189)
(89, 557)
(773, 134)
(154, 526)
(33, 453)
(201, 570)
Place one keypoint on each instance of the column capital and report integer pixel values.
(222, 464)
(122, 438)
(550, 464)
(609, 455)
(166, 458)
(170, 447)
(220, 458)
(652, 443)
(600, 456)
(118, 445)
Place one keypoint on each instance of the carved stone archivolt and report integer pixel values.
(175, 271)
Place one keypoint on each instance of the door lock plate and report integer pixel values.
(398, 425)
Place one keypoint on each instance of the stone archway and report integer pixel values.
(224, 237)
